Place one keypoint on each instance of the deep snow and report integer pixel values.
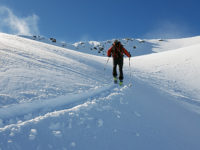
(56, 98)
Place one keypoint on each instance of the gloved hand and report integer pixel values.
(129, 54)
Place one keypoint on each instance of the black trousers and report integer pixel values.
(118, 62)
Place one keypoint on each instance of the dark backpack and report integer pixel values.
(117, 51)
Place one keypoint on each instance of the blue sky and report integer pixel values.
(74, 20)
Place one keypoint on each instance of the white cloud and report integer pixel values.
(168, 29)
(85, 37)
(10, 23)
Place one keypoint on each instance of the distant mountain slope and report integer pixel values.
(136, 47)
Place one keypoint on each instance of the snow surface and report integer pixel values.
(52, 97)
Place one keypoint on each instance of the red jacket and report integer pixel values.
(117, 52)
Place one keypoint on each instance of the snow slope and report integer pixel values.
(171, 44)
(31, 70)
(176, 72)
(57, 98)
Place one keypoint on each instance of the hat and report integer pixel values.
(116, 42)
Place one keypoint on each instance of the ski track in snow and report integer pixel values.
(21, 114)
(49, 60)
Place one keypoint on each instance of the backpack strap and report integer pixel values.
(117, 51)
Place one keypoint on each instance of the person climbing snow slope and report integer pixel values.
(117, 51)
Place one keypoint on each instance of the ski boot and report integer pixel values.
(120, 82)
(115, 80)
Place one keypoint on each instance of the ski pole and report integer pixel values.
(106, 63)
(130, 66)
(130, 70)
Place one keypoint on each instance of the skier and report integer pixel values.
(117, 51)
